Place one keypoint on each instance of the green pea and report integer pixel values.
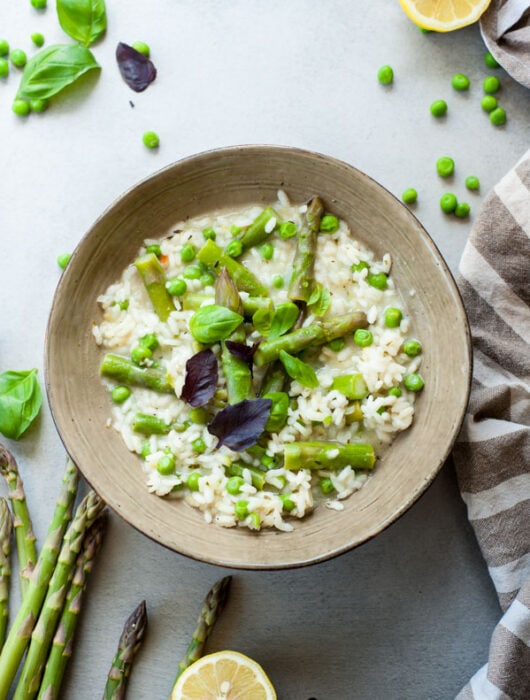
(490, 60)
(394, 391)
(39, 105)
(413, 382)
(329, 223)
(188, 252)
(63, 260)
(20, 108)
(199, 416)
(378, 280)
(363, 338)
(151, 139)
(287, 502)
(141, 47)
(255, 520)
(491, 84)
(409, 196)
(4, 68)
(445, 166)
(207, 279)
(267, 251)
(149, 340)
(18, 58)
(385, 75)
(448, 202)
(287, 229)
(166, 464)
(209, 234)
(176, 286)
(278, 281)
(489, 103)
(39, 4)
(140, 354)
(326, 485)
(198, 446)
(337, 344)
(498, 116)
(412, 348)
(155, 249)
(361, 265)
(235, 230)
(438, 108)
(234, 249)
(462, 210)
(460, 82)
(38, 39)
(4, 47)
(192, 481)
(472, 182)
(241, 509)
(393, 317)
(120, 393)
(234, 484)
(192, 272)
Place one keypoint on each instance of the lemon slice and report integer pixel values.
(224, 675)
(444, 15)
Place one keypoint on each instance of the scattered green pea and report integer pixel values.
(39, 4)
(490, 60)
(207, 279)
(20, 108)
(337, 344)
(378, 280)
(18, 58)
(329, 223)
(198, 446)
(445, 166)
(287, 502)
(385, 75)
(326, 485)
(460, 82)
(491, 84)
(192, 272)
(489, 103)
(498, 116)
(63, 260)
(149, 340)
(472, 182)
(413, 382)
(287, 229)
(267, 251)
(176, 286)
(267, 462)
(38, 105)
(235, 230)
(192, 481)
(234, 484)
(409, 196)
(141, 47)
(255, 521)
(234, 249)
(209, 234)
(120, 393)
(278, 282)
(412, 348)
(4, 68)
(358, 267)
(4, 47)
(462, 210)
(166, 464)
(188, 252)
(363, 337)
(448, 202)
(438, 108)
(155, 249)
(38, 39)
(151, 139)
(241, 509)
(141, 353)
(393, 317)
(394, 391)
(198, 416)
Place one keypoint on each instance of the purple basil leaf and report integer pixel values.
(240, 426)
(137, 70)
(242, 351)
(201, 378)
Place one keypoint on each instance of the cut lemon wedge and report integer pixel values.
(224, 675)
(444, 15)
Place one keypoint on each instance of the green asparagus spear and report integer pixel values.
(274, 379)
(61, 649)
(154, 279)
(125, 371)
(130, 641)
(24, 536)
(44, 630)
(317, 333)
(6, 530)
(328, 455)
(301, 283)
(213, 606)
(150, 425)
(214, 257)
(257, 231)
(256, 475)
(352, 386)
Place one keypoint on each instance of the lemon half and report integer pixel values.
(444, 15)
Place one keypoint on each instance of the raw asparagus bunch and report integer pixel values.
(6, 529)
(130, 641)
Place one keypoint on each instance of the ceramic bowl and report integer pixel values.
(231, 178)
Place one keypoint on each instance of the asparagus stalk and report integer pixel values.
(154, 279)
(61, 649)
(213, 255)
(301, 283)
(6, 530)
(258, 231)
(130, 641)
(41, 639)
(328, 455)
(58, 554)
(274, 379)
(125, 371)
(212, 608)
(317, 333)
(24, 536)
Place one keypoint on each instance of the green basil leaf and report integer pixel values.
(298, 370)
(320, 301)
(213, 323)
(262, 321)
(315, 294)
(83, 20)
(283, 319)
(279, 409)
(53, 68)
(20, 402)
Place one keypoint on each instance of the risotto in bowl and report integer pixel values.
(259, 369)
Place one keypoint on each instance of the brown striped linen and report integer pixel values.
(492, 454)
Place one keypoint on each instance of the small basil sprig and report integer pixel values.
(283, 319)
(298, 370)
(213, 323)
(279, 410)
(53, 69)
(320, 300)
(20, 402)
(83, 20)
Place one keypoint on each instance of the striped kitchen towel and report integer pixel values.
(492, 454)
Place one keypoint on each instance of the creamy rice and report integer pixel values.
(320, 413)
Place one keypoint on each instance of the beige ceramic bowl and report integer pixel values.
(235, 177)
